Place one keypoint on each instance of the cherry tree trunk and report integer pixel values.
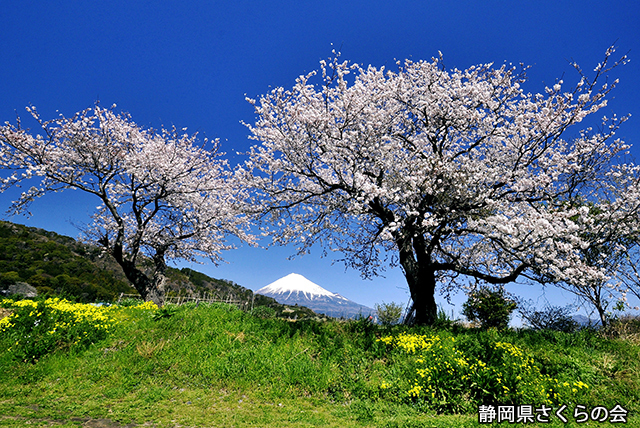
(156, 289)
(421, 279)
(604, 319)
(422, 285)
(150, 289)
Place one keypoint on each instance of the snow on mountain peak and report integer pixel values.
(295, 289)
(295, 283)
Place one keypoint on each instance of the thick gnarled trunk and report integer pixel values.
(150, 288)
(421, 279)
(156, 289)
(422, 285)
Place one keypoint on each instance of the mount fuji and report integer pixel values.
(295, 289)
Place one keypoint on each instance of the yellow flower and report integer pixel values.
(415, 391)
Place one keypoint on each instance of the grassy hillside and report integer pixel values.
(216, 366)
(58, 265)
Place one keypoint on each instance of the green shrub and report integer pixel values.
(388, 313)
(9, 278)
(129, 301)
(167, 311)
(492, 308)
(549, 318)
(263, 312)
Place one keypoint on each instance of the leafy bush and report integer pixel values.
(388, 313)
(550, 318)
(9, 278)
(492, 308)
(166, 311)
(129, 301)
(263, 312)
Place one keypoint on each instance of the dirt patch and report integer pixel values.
(4, 312)
(86, 422)
(102, 423)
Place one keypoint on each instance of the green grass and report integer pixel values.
(216, 366)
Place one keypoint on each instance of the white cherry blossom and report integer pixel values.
(162, 193)
(456, 173)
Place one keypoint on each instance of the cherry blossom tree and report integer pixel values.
(610, 231)
(162, 195)
(452, 175)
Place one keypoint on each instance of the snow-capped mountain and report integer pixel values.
(295, 289)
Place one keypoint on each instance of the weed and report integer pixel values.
(164, 312)
(149, 349)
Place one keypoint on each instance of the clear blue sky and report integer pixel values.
(190, 64)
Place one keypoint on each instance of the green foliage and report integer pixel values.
(214, 355)
(56, 265)
(625, 327)
(263, 312)
(549, 318)
(388, 313)
(9, 278)
(443, 322)
(167, 311)
(492, 308)
(129, 301)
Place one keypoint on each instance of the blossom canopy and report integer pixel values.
(161, 193)
(456, 172)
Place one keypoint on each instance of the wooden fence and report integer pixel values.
(205, 298)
